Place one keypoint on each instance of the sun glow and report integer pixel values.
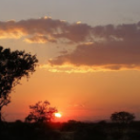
(58, 115)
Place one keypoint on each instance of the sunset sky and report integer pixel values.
(88, 51)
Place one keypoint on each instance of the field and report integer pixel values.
(71, 130)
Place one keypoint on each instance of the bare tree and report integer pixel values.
(13, 66)
(41, 112)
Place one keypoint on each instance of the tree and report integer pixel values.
(122, 117)
(13, 66)
(41, 112)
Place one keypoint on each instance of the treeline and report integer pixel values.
(71, 130)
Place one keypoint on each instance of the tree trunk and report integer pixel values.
(1, 124)
(0, 105)
(0, 115)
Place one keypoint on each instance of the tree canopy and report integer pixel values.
(41, 112)
(13, 66)
(122, 117)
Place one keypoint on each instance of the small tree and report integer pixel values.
(13, 66)
(122, 117)
(41, 112)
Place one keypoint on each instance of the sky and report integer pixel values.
(88, 52)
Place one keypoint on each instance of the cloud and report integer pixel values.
(104, 47)
(101, 56)
(51, 30)
(77, 105)
(113, 48)
(40, 39)
(44, 30)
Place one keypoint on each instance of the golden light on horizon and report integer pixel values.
(58, 115)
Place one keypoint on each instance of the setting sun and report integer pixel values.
(58, 115)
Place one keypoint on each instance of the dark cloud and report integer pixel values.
(113, 55)
(44, 30)
(51, 29)
(114, 48)
(108, 47)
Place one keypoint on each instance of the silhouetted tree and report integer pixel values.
(41, 112)
(122, 117)
(13, 66)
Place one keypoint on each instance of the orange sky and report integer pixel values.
(88, 51)
(91, 96)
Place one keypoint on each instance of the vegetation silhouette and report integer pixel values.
(13, 66)
(71, 130)
(122, 122)
(122, 117)
(41, 112)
